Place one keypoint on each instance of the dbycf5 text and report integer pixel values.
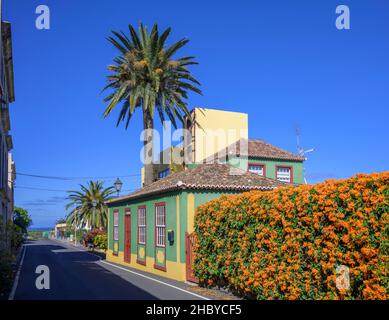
(209, 309)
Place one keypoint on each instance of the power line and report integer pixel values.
(41, 189)
(72, 178)
(57, 190)
(39, 176)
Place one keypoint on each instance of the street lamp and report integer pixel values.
(118, 185)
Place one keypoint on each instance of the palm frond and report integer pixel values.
(145, 75)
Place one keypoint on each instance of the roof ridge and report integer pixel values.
(257, 139)
(256, 148)
(211, 176)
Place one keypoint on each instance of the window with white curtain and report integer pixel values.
(160, 225)
(257, 168)
(116, 225)
(142, 225)
(284, 174)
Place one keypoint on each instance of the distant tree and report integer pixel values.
(22, 219)
(83, 212)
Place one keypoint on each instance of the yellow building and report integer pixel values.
(152, 229)
(211, 130)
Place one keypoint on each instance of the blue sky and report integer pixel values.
(282, 62)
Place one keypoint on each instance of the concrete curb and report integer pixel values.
(19, 264)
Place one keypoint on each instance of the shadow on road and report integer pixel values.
(74, 274)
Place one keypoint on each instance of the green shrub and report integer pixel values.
(11, 238)
(101, 241)
(90, 236)
(16, 235)
(6, 271)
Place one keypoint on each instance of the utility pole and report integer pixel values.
(75, 228)
(94, 204)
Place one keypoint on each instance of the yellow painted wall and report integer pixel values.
(215, 130)
(174, 270)
(191, 211)
(142, 176)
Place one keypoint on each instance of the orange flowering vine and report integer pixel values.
(287, 243)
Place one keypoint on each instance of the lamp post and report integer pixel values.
(94, 204)
(118, 185)
(75, 227)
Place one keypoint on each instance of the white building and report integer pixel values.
(7, 95)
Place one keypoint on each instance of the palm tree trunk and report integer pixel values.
(148, 148)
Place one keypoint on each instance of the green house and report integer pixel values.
(151, 229)
(262, 158)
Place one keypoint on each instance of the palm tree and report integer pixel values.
(145, 75)
(83, 212)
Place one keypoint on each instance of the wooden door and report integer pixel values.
(127, 236)
(190, 241)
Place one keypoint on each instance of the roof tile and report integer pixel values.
(205, 177)
(256, 149)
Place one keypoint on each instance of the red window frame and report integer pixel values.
(142, 226)
(114, 226)
(163, 205)
(159, 204)
(286, 167)
(257, 164)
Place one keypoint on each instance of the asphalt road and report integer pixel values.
(76, 274)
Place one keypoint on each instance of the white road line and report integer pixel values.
(16, 281)
(71, 246)
(158, 281)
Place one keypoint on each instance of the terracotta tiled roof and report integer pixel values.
(205, 177)
(257, 149)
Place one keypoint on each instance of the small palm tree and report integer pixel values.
(145, 75)
(82, 202)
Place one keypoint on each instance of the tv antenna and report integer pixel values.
(301, 151)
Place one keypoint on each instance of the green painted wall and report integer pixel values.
(171, 223)
(170, 202)
(110, 227)
(297, 167)
(241, 162)
(109, 231)
(204, 196)
(200, 197)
